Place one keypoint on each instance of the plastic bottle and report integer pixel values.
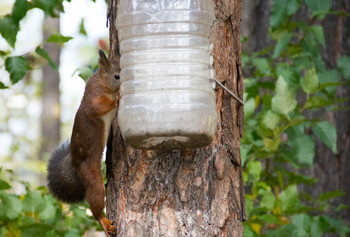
(167, 100)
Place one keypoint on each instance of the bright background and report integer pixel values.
(20, 107)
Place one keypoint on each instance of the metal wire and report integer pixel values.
(234, 96)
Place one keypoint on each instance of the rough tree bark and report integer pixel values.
(50, 116)
(192, 192)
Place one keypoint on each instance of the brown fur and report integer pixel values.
(90, 133)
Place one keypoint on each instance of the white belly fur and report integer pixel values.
(107, 119)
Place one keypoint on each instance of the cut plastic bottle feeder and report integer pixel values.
(167, 100)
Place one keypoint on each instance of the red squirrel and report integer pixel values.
(74, 170)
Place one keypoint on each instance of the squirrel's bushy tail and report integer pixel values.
(64, 181)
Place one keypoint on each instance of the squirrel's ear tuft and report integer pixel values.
(102, 54)
(103, 61)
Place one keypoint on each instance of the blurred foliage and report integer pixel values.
(34, 212)
(17, 66)
(37, 213)
(279, 140)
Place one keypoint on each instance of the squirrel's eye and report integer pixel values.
(116, 76)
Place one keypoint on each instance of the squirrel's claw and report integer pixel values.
(107, 226)
(117, 98)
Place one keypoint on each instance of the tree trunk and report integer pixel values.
(50, 116)
(192, 192)
(255, 25)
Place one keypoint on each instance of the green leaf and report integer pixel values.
(328, 77)
(48, 6)
(244, 152)
(82, 28)
(271, 120)
(267, 200)
(42, 52)
(272, 144)
(73, 233)
(248, 232)
(327, 133)
(84, 72)
(3, 53)
(266, 218)
(288, 199)
(304, 148)
(254, 168)
(245, 59)
(302, 225)
(318, 32)
(310, 82)
(340, 227)
(329, 195)
(309, 43)
(10, 205)
(317, 227)
(283, 102)
(3, 86)
(282, 44)
(17, 67)
(296, 178)
(330, 85)
(58, 38)
(261, 64)
(283, 231)
(79, 213)
(9, 29)
(343, 65)
(48, 211)
(19, 10)
(33, 202)
(249, 106)
(292, 6)
(51, 233)
(4, 185)
(317, 102)
(289, 75)
(298, 119)
(251, 88)
(281, 10)
(319, 5)
(35, 230)
(341, 207)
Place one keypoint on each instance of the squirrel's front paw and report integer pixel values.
(117, 98)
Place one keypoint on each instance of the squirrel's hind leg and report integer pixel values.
(95, 193)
